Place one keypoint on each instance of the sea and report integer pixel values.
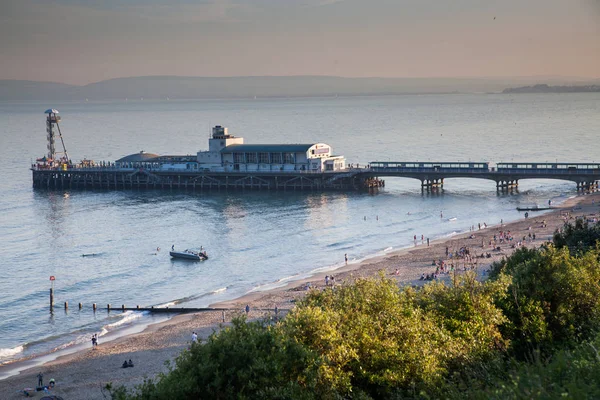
(256, 240)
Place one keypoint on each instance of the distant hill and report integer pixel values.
(33, 90)
(176, 87)
(544, 88)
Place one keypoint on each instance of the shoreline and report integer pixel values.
(154, 343)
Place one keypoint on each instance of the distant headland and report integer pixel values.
(544, 88)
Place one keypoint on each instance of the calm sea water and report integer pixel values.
(256, 240)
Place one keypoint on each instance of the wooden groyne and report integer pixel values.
(162, 310)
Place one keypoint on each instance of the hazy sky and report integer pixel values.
(83, 41)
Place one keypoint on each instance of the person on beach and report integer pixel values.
(94, 340)
(40, 377)
(427, 242)
(51, 383)
(326, 280)
(247, 309)
(346, 258)
(194, 337)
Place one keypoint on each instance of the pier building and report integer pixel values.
(227, 153)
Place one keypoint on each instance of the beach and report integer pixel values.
(83, 374)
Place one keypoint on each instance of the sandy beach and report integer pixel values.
(83, 374)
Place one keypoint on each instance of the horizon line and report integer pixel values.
(318, 76)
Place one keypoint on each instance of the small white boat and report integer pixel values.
(189, 255)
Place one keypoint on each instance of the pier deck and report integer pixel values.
(431, 174)
(140, 178)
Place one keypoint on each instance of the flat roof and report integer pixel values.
(267, 148)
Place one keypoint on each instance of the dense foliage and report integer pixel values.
(528, 332)
(578, 237)
(553, 299)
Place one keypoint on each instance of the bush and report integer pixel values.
(244, 361)
(382, 341)
(578, 237)
(567, 374)
(553, 299)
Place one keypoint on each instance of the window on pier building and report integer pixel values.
(289, 158)
(238, 158)
(251, 157)
(276, 158)
(263, 158)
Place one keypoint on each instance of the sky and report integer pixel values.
(85, 41)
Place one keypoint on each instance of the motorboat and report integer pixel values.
(189, 255)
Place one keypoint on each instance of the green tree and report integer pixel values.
(553, 298)
(377, 339)
(578, 237)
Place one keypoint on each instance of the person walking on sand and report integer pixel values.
(427, 242)
(194, 337)
(40, 377)
(346, 258)
(247, 309)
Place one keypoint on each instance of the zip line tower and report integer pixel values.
(52, 120)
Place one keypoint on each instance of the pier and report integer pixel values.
(505, 175)
(231, 164)
(432, 176)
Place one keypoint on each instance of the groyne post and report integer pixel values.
(94, 307)
(52, 279)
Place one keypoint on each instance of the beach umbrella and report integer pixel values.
(51, 111)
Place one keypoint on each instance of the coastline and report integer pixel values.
(84, 372)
